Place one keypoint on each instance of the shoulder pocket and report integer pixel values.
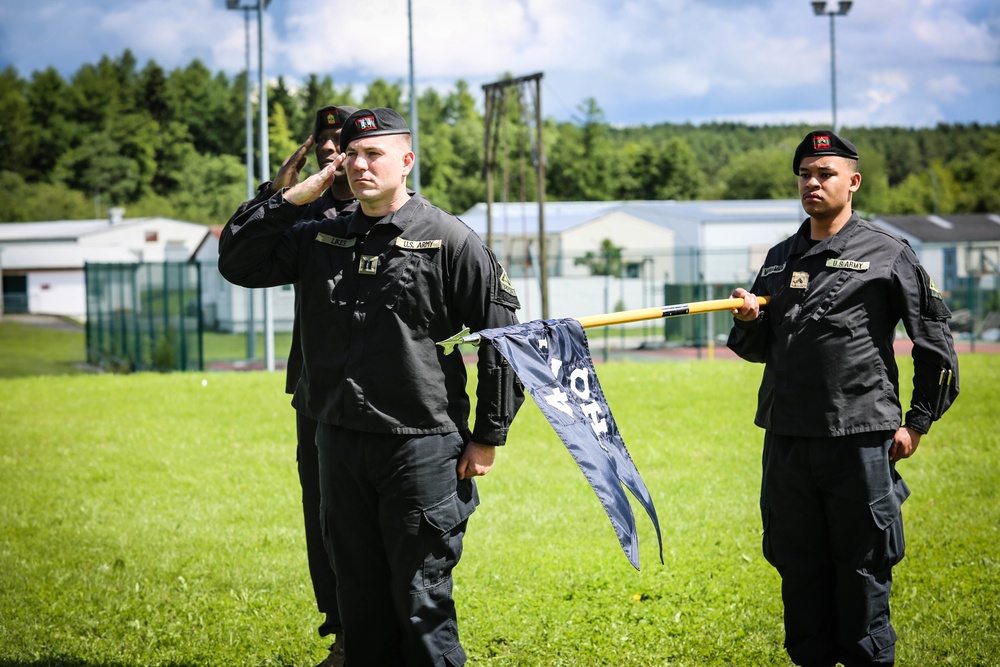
(932, 305)
(501, 289)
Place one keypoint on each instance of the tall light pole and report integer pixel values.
(265, 171)
(259, 5)
(819, 9)
(415, 174)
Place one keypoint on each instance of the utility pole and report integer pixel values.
(265, 170)
(819, 9)
(414, 134)
(259, 5)
(495, 112)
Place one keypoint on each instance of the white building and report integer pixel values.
(43, 262)
(953, 247)
(677, 242)
(229, 307)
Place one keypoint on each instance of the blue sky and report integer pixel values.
(911, 63)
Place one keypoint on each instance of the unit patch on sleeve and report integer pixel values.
(505, 284)
(851, 264)
(502, 291)
(932, 304)
(768, 270)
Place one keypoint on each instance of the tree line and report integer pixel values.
(172, 144)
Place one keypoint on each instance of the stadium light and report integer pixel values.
(260, 6)
(820, 9)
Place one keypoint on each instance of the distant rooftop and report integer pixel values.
(60, 256)
(948, 228)
(53, 230)
(522, 217)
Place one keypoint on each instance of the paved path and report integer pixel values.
(50, 321)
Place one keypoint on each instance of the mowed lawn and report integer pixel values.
(155, 520)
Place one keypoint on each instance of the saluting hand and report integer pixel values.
(288, 172)
(476, 460)
(310, 189)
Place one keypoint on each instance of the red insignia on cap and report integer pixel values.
(365, 124)
(821, 142)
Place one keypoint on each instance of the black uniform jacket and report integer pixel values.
(826, 337)
(373, 302)
(327, 206)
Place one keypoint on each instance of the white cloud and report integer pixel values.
(948, 35)
(946, 88)
(643, 61)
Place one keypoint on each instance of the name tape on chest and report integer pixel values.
(335, 241)
(429, 244)
(850, 264)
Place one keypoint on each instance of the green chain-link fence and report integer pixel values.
(144, 316)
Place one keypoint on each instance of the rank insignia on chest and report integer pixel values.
(368, 265)
(800, 280)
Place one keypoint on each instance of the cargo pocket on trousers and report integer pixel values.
(882, 649)
(442, 530)
(455, 657)
(886, 513)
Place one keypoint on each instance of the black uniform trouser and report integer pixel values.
(833, 530)
(396, 534)
(324, 579)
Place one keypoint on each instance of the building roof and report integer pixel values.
(59, 256)
(50, 231)
(74, 230)
(950, 228)
(69, 244)
(683, 217)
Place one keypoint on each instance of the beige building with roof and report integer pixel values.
(42, 263)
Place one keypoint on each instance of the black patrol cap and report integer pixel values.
(371, 123)
(331, 117)
(822, 142)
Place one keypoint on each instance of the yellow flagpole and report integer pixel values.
(624, 317)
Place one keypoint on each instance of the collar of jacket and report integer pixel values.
(834, 244)
(400, 218)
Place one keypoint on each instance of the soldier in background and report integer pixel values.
(829, 404)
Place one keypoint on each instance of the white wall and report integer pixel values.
(57, 293)
(589, 295)
(170, 237)
(734, 251)
(232, 309)
(638, 238)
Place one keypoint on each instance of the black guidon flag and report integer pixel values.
(553, 361)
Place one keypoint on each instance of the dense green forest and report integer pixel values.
(172, 144)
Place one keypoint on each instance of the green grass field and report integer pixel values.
(154, 520)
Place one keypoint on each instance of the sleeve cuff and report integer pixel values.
(751, 324)
(918, 421)
(494, 437)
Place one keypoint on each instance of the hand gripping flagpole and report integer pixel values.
(623, 317)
